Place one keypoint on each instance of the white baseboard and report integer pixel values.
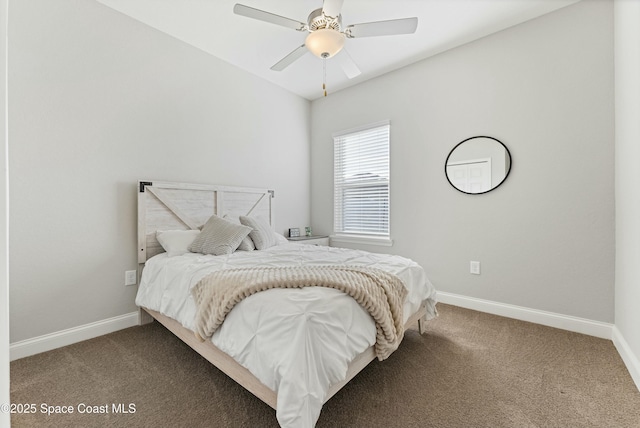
(550, 319)
(602, 330)
(630, 360)
(62, 338)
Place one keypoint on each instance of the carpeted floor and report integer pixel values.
(470, 370)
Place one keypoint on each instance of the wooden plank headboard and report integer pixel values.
(183, 206)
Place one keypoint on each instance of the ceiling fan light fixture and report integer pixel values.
(325, 43)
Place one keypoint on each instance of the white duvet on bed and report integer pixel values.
(298, 342)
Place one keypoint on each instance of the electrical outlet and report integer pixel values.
(474, 267)
(130, 277)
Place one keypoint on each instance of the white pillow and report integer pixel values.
(176, 242)
(219, 236)
(262, 235)
(280, 239)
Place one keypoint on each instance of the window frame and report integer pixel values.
(361, 237)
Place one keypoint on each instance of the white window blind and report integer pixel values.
(361, 182)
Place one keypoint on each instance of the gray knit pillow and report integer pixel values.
(219, 236)
(246, 244)
(262, 235)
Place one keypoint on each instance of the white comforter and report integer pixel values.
(298, 342)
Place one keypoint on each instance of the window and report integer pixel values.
(361, 184)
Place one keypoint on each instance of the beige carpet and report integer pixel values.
(470, 370)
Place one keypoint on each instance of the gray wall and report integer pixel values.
(627, 47)
(98, 101)
(545, 238)
(5, 396)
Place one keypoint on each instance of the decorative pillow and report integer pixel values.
(247, 243)
(280, 239)
(219, 236)
(262, 235)
(176, 242)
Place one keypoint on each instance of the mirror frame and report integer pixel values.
(471, 138)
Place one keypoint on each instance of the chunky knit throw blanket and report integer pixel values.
(382, 294)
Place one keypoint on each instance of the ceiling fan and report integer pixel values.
(326, 33)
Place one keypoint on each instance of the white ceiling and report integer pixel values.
(255, 46)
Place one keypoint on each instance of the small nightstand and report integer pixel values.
(311, 240)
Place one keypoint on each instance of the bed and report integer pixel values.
(292, 348)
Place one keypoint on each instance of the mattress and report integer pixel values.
(297, 342)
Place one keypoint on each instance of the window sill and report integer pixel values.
(362, 239)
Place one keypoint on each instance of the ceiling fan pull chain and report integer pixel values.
(324, 75)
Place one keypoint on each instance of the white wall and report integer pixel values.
(545, 238)
(5, 418)
(98, 101)
(627, 128)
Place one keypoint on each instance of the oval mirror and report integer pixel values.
(478, 165)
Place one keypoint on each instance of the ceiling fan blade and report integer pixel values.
(348, 66)
(332, 8)
(383, 28)
(290, 59)
(261, 15)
